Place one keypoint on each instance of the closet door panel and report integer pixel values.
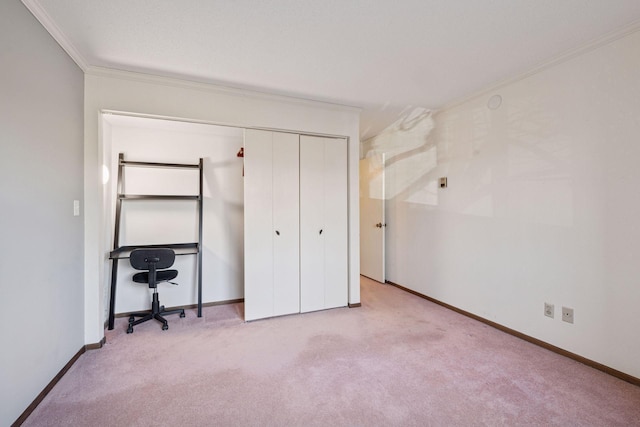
(335, 217)
(258, 225)
(323, 223)
(286, 229)
(312, 233)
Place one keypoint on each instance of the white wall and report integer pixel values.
(542, 205)
(41, 283)
(157, 222)
(143, 94)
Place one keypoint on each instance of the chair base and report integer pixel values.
(156, 313)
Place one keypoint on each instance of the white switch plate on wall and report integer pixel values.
(549, 310)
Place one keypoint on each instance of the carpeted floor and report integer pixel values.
(397, 360)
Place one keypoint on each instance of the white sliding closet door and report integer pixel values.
(271, 218)
(323, 223)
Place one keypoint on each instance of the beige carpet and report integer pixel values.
(397, 360)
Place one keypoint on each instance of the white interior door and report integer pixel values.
(312, 206)
(258, 223)
(286, 228)
(271, 209)
(323, 223)
(372, 219)
(336, 243)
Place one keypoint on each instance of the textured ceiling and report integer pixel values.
(384, 56)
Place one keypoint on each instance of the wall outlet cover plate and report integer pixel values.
(567, 314)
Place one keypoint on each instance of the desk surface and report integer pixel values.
(123, 252)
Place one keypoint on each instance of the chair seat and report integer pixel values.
(161, 276)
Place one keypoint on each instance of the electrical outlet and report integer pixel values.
(549, 310)
(567, 314)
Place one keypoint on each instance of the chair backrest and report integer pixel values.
(142, 259)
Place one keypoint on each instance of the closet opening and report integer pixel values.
(145, 222)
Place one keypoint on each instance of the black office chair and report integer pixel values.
(155, 262)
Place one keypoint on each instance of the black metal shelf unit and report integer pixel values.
(122, 252)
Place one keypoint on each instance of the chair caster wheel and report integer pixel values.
(131, 318)
(182, 314)
(130, 329)
(165, 327)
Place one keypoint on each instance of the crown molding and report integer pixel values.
(565, 56)
(210, 87)
(58, 35)
(43, 17)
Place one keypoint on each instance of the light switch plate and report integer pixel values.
(549, 310)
